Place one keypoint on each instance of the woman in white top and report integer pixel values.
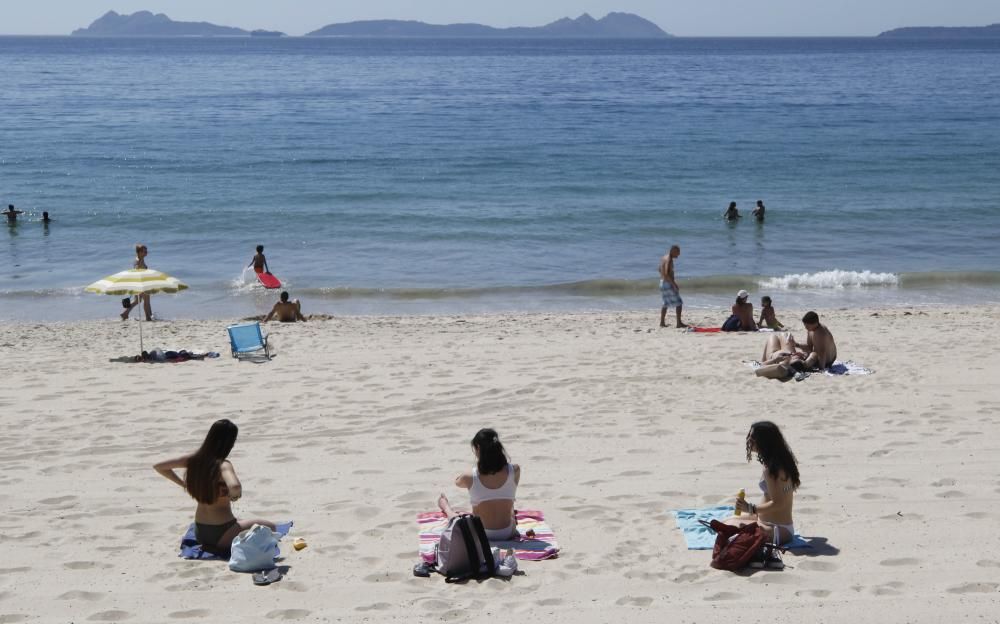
(492, 486)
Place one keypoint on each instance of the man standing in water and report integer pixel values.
(12, 214)
(668, 287)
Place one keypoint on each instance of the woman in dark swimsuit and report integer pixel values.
(211, 480)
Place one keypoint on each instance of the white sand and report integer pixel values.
(358, 423)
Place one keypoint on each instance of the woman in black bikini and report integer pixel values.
(210, 479)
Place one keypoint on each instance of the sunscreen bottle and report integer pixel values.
(742, 496)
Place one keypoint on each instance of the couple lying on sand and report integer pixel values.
(784, 357)
(211, 480)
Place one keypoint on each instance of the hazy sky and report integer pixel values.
(680, 17)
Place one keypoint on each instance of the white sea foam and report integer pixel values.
(830, 279)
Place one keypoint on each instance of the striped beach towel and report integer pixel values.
(542, 546)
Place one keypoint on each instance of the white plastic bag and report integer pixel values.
(253, 550)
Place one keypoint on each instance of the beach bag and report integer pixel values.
(253, 550)
(735, 546)
(464, 551)
(732, 324)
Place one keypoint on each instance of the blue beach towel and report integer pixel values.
(700, 537)
(191, 549)
(697, 536)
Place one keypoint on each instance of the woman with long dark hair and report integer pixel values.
(210, 479)
(778, 482)
(492, 486)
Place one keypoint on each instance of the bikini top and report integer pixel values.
(479, 493)
(763, 487)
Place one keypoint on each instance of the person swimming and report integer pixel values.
(492, 486)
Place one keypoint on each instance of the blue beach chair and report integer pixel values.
(247, 339)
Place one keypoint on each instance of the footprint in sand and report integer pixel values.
(888, 589)
(185, 615)
(813, 593)
(987, 563)
(58, 500)
(901, 562)
(378, 606)
(549, 602)
(944, 483)
(10, 618)
(434, 604)
(819, 566)
(723, 596)
(287, 614)
(635, 601)
(85, 565)
(115, 615)
(951, 494)
(975, 588)
(81, 595)
(366, 513)
(690, 577)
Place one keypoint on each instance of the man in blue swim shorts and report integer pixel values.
(668, 287)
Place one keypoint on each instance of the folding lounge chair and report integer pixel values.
(247, 339)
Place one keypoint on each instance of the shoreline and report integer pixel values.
(704, 316)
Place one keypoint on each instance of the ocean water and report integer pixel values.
(451, 176)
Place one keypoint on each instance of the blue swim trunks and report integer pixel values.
(671, 298)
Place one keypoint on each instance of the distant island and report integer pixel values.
(612, 25)
(147, 24)
(945, 32)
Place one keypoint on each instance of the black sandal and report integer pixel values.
(266, 577)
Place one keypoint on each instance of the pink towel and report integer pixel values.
(542, 546)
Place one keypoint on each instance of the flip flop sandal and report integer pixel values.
(266, 577)
(423, 569)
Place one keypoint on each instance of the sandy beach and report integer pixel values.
(358, 423)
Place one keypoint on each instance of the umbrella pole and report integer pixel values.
(140, 337)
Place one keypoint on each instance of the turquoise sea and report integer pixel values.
(452, 176)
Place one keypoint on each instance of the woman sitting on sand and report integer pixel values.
(492, 486)
(211, 480)
(778, 482)
(782, 358)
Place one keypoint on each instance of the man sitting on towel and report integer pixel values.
(286, 311)
(820, 348)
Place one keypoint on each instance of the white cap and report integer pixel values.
(742, 294)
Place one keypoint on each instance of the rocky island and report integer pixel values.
(944, 32)
(146, 24)
(612, 25)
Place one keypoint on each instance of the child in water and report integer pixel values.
(259, 262)
(767, 315)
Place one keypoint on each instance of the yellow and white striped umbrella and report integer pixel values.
(136, 282)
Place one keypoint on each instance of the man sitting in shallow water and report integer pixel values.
(286, 311)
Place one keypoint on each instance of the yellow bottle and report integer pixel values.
(742, 496)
